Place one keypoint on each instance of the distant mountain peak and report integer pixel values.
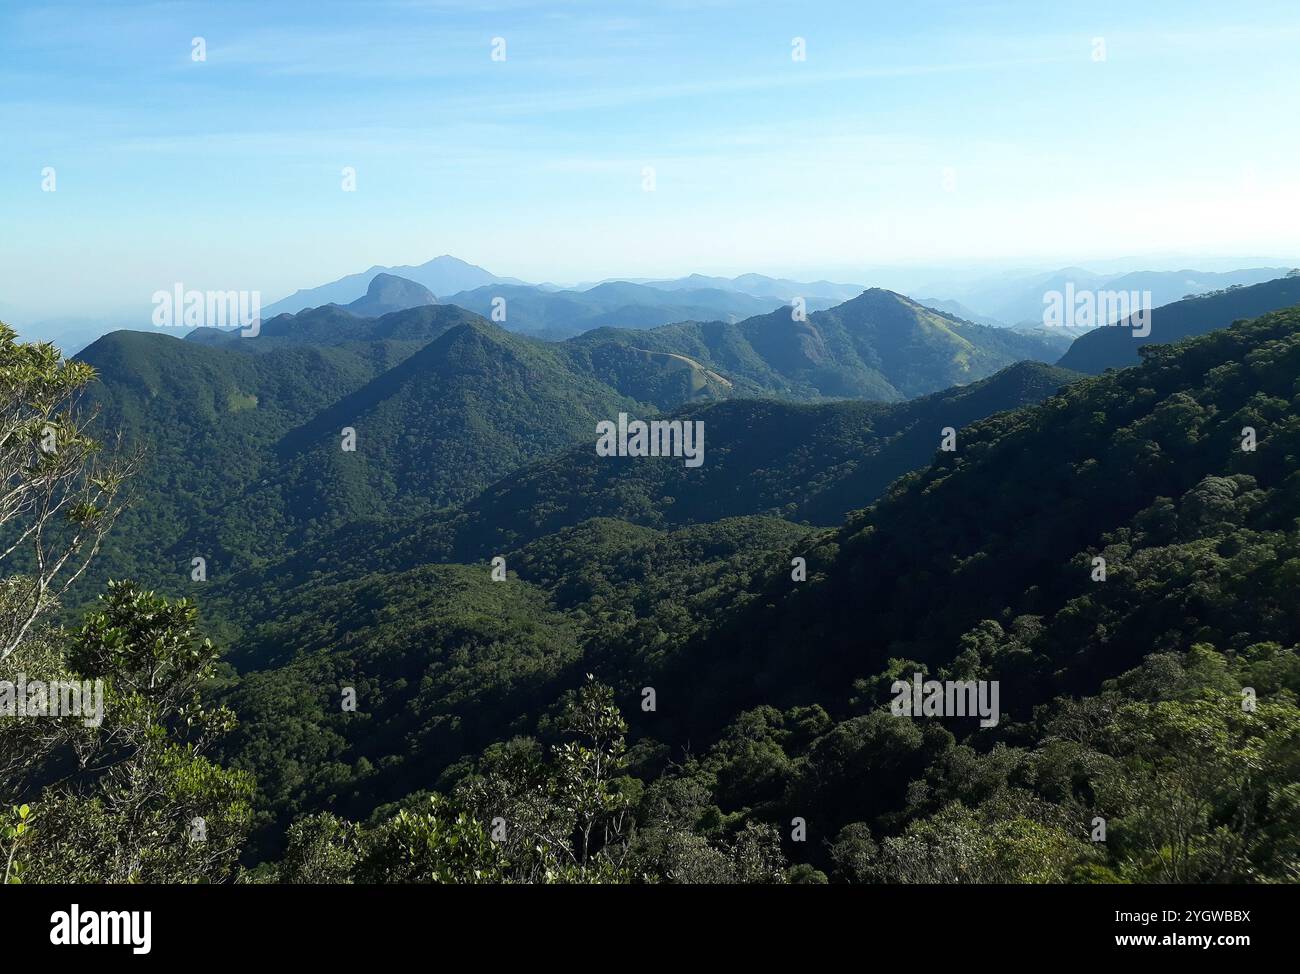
(388, 293)
(383, 280)
(444, 274)
(882, 301)
(447, 260)
(876, 295)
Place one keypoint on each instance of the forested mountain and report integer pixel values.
(785, 683)
(1116, 347)
(1119, 560)
(1128, 463)
(805, 463)
(434, 430)
(880, 345)
(207, 420)
(981, 566)
(442, 403)
(209, 415)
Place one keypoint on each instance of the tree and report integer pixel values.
(960, 845)
(58, 495)
(565, 820)
(13, 832)
(585, 768)
(1204, 790)
(438, 845)
(144, 804)
(128, 795)
(515, 789)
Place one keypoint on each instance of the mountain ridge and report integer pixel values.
(1118, 346)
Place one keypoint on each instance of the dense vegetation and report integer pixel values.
(116, 787)
(880, 346)
(1196, 605)
(242, 436)
(655, 691)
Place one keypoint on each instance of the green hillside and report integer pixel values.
(206, 421)
(807, 463)
(977, 567)
(431, 432)
(243, 437)
(880, 345)
(444, 659)
(1158, 697)
(1118, 347)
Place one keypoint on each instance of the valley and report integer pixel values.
(455, 615)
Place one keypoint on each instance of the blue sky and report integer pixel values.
(926, 132)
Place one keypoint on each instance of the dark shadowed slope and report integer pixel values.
(1117, 347)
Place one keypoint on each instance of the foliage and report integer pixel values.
(1149, 729)
(120, 790)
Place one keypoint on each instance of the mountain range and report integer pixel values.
(1011, 298)
(887, 489)
(441, 275)
(557, 315)
(650, 587)
(443, 402)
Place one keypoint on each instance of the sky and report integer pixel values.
(632, 139)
